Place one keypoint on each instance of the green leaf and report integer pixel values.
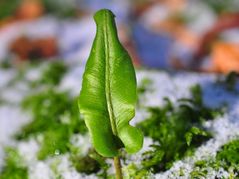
(108, 95)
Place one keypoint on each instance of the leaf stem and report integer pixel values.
(118, 171)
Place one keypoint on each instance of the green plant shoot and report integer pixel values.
(108, 95)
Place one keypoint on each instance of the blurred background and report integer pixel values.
(195, 35)
(44, 45)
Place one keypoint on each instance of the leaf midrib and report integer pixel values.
(107, 78)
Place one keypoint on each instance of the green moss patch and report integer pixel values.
(177, 128)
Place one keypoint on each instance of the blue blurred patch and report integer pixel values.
(153, 48)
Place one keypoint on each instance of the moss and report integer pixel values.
(51, 75)
(50, 109)
(229, 81)
(178, 130)
(80, 164)
(91, 163)
(13, 168)
(144, 86)
(229, 154)
(55, 142)
(6, 64)
(134, 172)
(226, 158)
(55, 117)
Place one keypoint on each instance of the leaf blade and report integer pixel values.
(108, 93)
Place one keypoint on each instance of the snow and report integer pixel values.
(171, 85)
(11, 119)
(136, 158)
(72, 81)
(28, 149)
(6, 76)
(83, 142)
(40, 170)
(224, 131)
